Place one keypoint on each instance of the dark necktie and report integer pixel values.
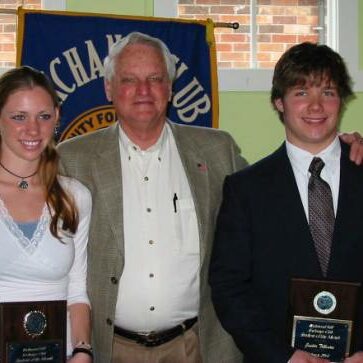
(321, 213)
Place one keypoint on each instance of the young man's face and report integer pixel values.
(311, 114)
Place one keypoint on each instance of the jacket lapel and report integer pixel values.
(304, 259)
(106, 171)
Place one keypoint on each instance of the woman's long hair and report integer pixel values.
(61, 205)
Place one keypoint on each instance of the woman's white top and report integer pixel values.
(45, 268)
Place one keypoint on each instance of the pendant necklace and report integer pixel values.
(22, 184)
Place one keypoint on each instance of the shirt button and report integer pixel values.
(146, 178)
(109, 321)
(151, 242)
(152, 308)
(151, 275)
(148, 210)
(114, 280)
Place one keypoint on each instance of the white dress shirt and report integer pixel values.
(159, 286)
(300, 161)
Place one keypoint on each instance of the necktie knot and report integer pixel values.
(316, 166)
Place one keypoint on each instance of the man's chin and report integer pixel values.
(148, 119)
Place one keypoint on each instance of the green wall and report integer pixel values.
(248, 116)
(120, 7)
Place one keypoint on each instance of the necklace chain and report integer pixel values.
(22, 184)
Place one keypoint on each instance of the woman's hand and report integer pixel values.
(355, 358)
(80, 358)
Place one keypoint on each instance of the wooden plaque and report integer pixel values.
(322, 315)
(33, 331)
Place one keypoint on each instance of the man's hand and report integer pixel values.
(355, 141)
(355, 358)
(303, 357)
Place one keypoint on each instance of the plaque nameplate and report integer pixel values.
(33, 331)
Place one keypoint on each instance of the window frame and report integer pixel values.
(260, 79)
(47, 5)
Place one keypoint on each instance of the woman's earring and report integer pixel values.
(56, 132)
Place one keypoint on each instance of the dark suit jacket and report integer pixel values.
(94, 159)
(263, 239)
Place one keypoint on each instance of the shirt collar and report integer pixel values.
(301, 159)
(158, 148)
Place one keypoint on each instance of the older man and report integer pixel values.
(156, 190)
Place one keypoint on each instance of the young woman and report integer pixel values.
(44, 217)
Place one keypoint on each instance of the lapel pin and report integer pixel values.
(202, 167)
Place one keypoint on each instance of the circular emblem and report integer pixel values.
(325, 302)
(90, 120)
(35, 323)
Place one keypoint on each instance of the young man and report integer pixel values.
(266, 233)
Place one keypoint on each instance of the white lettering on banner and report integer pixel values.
(202, 105)
(95, 62)
(180, 69)
(58, 82)
(186, 95)
(76, 66)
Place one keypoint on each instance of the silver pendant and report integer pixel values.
(23, 184)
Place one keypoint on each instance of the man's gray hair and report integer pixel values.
(138, 38)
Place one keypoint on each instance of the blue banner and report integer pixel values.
(70, 47)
